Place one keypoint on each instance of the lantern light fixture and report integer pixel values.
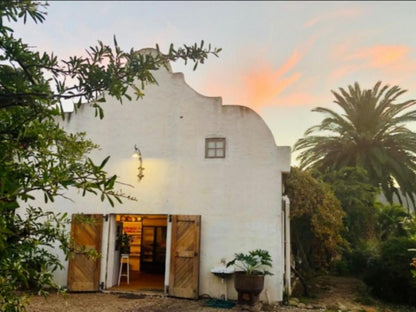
(137, 154)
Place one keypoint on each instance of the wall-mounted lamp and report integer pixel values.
(138, 154)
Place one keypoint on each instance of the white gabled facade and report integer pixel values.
(239, 197)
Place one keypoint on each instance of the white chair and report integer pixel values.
(124, 259)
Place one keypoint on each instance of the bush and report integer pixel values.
(355, 261)
(340, 267)
(360, 257)
(316, 222)
(389, 275)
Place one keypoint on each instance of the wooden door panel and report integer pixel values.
(84, 272)
(184, 264)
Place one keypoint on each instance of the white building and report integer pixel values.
(212, 187)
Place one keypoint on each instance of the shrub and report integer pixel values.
(393, 221)
(389, 275)
(316, 222)
(340, 267)
(355, 261)
(360, 257)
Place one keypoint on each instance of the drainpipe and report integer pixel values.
(286, 207)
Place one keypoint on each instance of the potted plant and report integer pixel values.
(125, 244)
(249, 276)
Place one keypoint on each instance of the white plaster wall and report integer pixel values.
(238, 197)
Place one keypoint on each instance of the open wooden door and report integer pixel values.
(184, 260)
(84, 272)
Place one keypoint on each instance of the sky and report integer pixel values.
(280, 58)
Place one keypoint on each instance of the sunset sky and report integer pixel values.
(280, 58)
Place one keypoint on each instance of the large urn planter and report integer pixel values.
(249, 276)
(248, 287)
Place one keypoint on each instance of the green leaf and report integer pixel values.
(104, 162)
(109, 185)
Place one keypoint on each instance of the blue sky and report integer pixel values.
(280, 58)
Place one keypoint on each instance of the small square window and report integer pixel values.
(215, 148)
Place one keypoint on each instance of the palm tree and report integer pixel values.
(371, 133)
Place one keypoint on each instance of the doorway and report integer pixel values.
(147, 236)
(178, 245)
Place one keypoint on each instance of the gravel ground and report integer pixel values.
(103, 302)
(332, 293)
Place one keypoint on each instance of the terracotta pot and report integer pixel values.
(248, 287)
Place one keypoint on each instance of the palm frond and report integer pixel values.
(371, 132)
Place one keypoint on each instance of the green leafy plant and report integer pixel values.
(254, 262)
(388, 274)
(125, 244)
(316, 218)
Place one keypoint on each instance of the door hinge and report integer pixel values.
(106, 218)
(102, 286)
(170, 218)
(166, 289)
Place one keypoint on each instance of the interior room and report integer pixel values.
(141, 247)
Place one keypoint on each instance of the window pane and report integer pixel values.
(211, 153)
(211, 144)
(220, 144)
(220, 153)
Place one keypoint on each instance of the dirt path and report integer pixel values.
(100, 302)
(331, 293)
(340, 293)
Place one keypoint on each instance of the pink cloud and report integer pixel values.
(332, 15)
(258, 85)
(394, 61)
(291, 62)
(261, 83)
(382, 56)
(344, 70)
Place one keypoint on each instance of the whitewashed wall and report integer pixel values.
(238, 197)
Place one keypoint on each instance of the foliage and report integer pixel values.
(124, 243)
(26, 262)
(339, 267)
(383, 261)
(365, 148)
(353, 188)
(363, 252)
(316, 221)
(388, 273)
(38, 157)
(370, 133)
(254, 262)
(393, 221)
